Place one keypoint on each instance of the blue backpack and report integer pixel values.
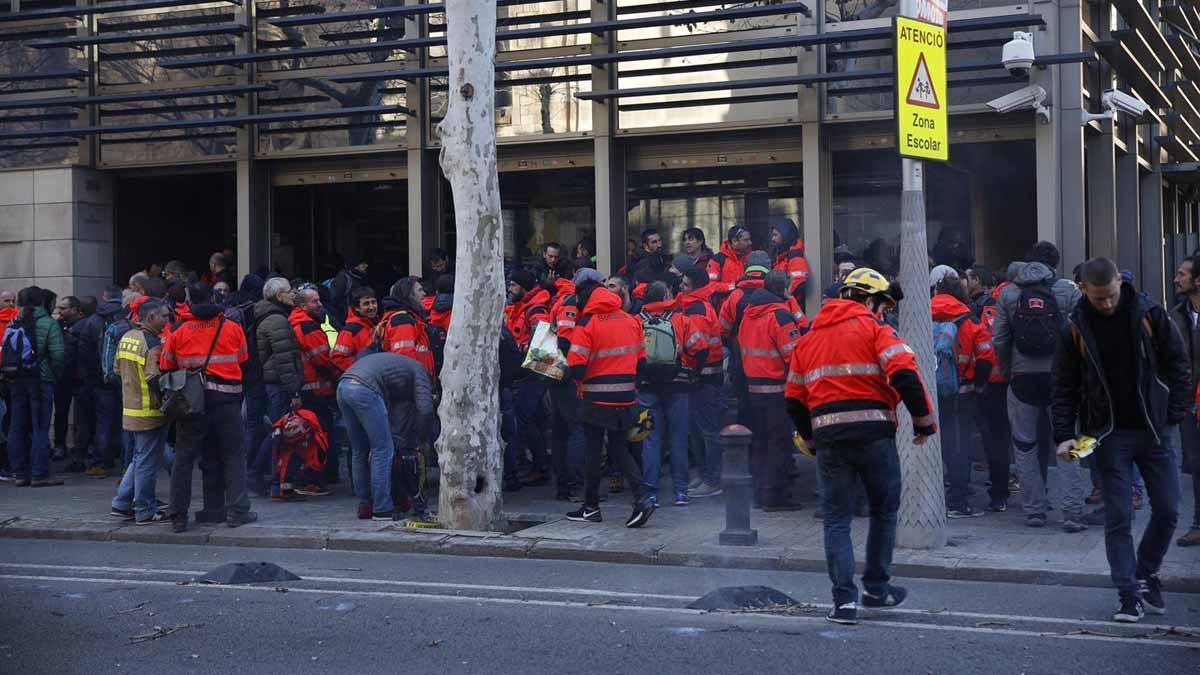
(113, 332)
(945, 349)
(18, 355)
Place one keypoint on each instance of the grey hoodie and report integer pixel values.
(1012, 361)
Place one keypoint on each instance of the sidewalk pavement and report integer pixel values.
(995, 547)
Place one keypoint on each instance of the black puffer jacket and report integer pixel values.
(1080, 384)
(278, 349)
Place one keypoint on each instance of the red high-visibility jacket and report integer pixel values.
(794, 263)
(357, 335)
(320, 372)
(697, 306)
(606, 347)
(735, 305)
(441, 311)
(848, 373)
(766, 336)
(988, 319)
(564, 312)
(689, 344)
(975, 353)
(524, 315)
(724, 270)
(402, 332)
(191, 339)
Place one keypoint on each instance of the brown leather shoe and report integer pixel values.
(46, 482)
(1192, 538)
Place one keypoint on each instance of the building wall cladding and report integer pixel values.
(310, 70)
(56, 230)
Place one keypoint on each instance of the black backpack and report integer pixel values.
(511, 358)
(1036, 322)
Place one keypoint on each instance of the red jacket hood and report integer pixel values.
(299, 318)
(563, 287)
(351, 317)
(538, 296)
(727, 249)
(997, 289)
(763, 303)
(183, 312)
(133, 307)
(8, 314)
(947, 307)
(658, 308)
(699, 295)
(837, 311)
(602, 301)
(748, 283)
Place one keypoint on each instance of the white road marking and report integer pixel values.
(766, 618)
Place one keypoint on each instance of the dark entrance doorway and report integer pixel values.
(180, 217)
(316, 229)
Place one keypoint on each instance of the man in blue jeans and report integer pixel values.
(846, 377)
(387, 402)
(137, 365)
(1121, 375)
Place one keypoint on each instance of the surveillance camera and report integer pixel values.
(1118, 101)
(1031, 97)
(1018, 54)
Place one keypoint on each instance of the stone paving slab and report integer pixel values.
(996, 547)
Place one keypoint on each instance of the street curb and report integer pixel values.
(446, 542)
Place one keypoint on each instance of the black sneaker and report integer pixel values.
(158, 517)
(846, 614)
(998, 506)
(640, 515)
(179, 523)
(585, 514)
(238, 519)
(123, 514)
(964, 511)
(383, 515)
(1035, 520)
(1131, 611)
(1152, 599)
(894, 597)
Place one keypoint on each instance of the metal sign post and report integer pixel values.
(922, 517)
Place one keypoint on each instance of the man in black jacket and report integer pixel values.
(1121, 375)
(1186, 316)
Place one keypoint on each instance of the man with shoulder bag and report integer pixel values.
(202, 388)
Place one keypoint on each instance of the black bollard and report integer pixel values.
(736, 482)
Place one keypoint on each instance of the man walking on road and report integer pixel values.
(1121, 375)
(1185, 316)
(846, 377)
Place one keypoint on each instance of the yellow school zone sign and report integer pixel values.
(922, 131)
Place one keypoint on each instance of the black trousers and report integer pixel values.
(223, 422)
(64, 391)
(598, 438)
(770, 448)
(992, 416)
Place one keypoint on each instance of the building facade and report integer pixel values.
(302, 133)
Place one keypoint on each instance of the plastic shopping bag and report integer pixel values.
(544, 357)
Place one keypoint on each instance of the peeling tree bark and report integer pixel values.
(469, 447)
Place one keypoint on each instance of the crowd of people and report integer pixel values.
(266, 385)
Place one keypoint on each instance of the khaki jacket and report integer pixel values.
(137, 364)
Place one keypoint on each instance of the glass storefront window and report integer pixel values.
(386, 130)
(714, 199)
(364, 32)
(980, 208)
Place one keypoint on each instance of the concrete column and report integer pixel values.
(56, 230)
(1153, 280)
(1128, 212)
(1047, 136)
(1072, 232)
(609, 155)
(817, 225)
(423, 172)
(1101, 173)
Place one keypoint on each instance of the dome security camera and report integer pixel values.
(1018, 54)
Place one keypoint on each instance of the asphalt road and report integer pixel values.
(84, 607)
